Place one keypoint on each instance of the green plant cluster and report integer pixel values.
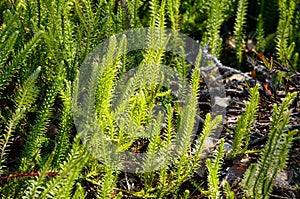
(44, 42)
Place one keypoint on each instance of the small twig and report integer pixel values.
(221, 66)
(217, 62)
(128, 185)
(4, 179)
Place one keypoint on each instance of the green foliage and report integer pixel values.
(259, 178)
(108, 182)
(245, 124)
(24, 100)
(239, 27)
(173, 7)
(229, 193)
(15, 64)
(214, 168)
(260, 34)
(284, 38)
(44, 42)
(215, 19)
(36, 138)
(63, 135)
(61, 186)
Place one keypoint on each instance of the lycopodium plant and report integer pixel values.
(245, 124)
(285, 45)
(239, 27)
(216, 16)
(24, 100)
(43, 44)
(259, 178)
(214, 167)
